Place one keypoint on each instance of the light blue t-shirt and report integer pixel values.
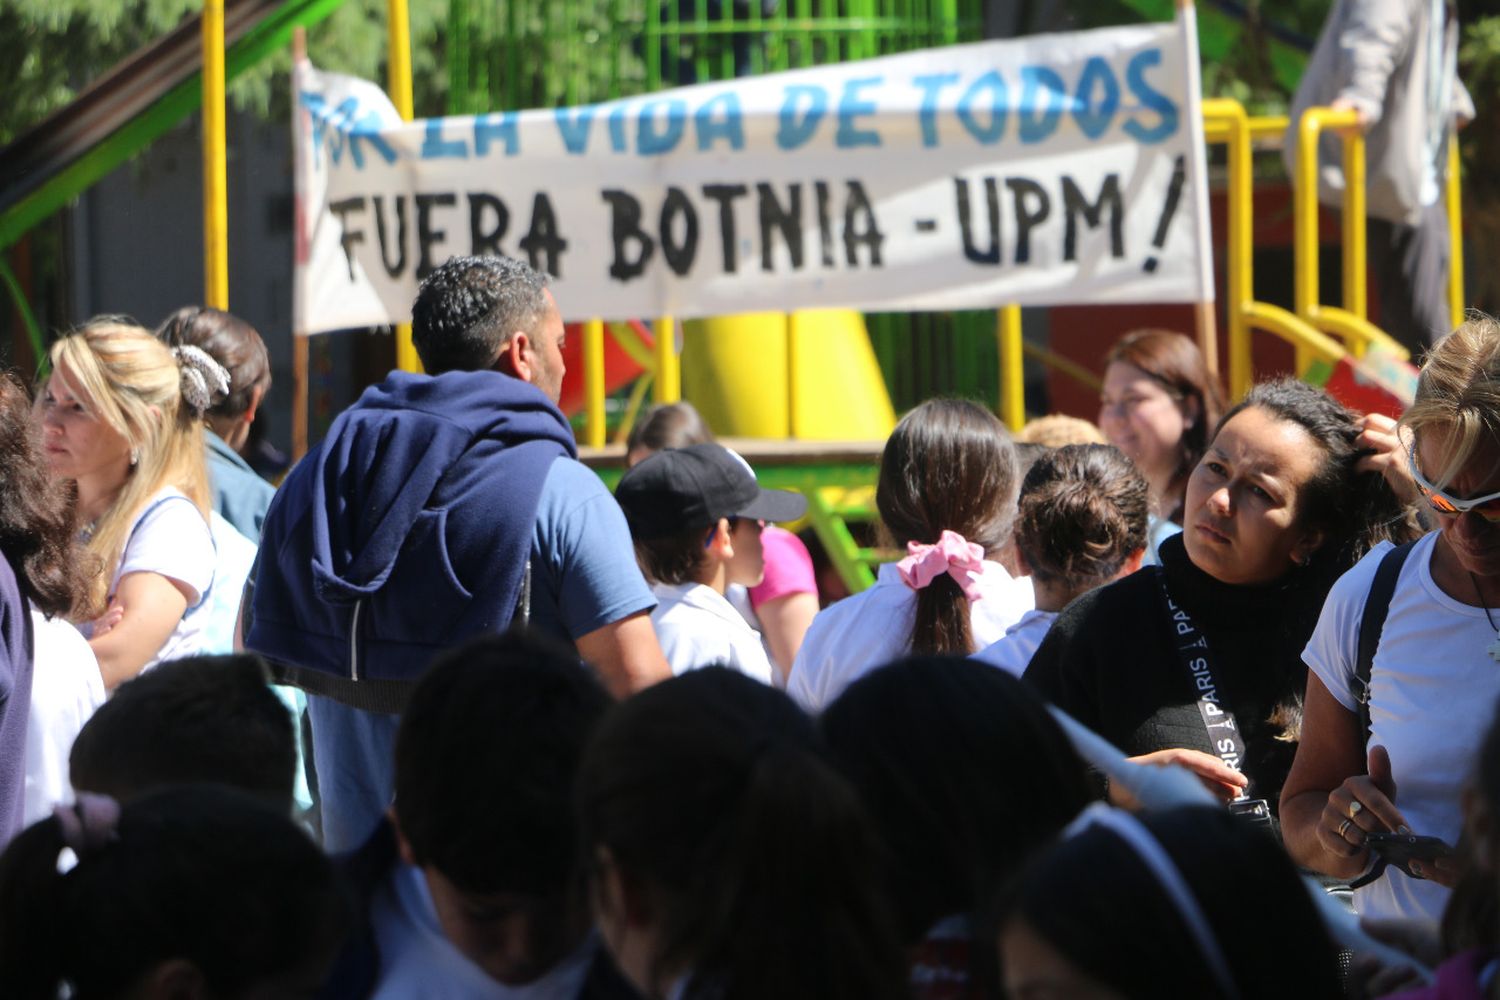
(583, 576)
(1158, 530)
(418, 960)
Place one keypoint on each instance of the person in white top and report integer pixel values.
(783, 604)
(947, 493)
(696, 515)
(1082, 524)
(66, 690)
(1435, 672)
(45, 685)
(122, 417)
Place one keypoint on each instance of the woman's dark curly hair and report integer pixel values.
(37, 528)
(1083, 513)
(1354, 509)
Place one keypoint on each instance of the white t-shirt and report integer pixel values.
(698, 627)
(851, 637)
(170, 537)
(1433, 696)
(418, 960)
(1013, 651)
(66, 689)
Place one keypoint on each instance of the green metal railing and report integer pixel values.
(515, 54)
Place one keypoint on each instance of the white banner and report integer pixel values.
(1044, 170)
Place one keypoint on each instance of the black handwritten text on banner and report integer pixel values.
(1051, 169)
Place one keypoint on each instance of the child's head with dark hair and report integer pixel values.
(485, 760)
(949, 465)
(237, 346)
(1187, 902)
(198, 890)
(669, 425)
(725, 849)
(197, 719)
(1082, 519)
(964, 773)
(696, 513)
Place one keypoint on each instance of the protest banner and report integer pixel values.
(1050, 169)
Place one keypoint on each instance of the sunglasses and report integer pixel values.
(733, 520)
(1487, 506)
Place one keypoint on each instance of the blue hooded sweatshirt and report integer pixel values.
(405, 531)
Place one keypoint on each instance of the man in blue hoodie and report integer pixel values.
(441, 507)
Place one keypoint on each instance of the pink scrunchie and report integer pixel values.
(953, 554)
(88, 824)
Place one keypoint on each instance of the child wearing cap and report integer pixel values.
(695, 515)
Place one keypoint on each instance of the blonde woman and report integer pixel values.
(1434, 675)
(122, 417)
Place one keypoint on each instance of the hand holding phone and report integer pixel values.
(1401, 849)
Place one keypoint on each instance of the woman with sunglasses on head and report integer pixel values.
(1197, 662)
(1433, 662)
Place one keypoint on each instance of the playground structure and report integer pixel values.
(814, 376)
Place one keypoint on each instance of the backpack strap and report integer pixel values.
(1371, 624)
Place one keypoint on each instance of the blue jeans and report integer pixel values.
(354, 754)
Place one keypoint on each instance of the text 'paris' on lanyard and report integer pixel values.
(1224, 734)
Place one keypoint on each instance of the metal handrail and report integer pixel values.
(1350, 322)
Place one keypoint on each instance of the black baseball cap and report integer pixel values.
(681, 488)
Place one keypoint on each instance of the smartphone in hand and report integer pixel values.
(1400, 849)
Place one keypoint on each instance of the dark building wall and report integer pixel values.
(136, 247)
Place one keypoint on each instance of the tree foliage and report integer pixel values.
(57, 47)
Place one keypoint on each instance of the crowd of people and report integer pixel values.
(441, 716)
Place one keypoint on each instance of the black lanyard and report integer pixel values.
(1224, 735)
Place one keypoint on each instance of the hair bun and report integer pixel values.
(204, 380)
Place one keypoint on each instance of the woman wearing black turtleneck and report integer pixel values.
(1281, 503)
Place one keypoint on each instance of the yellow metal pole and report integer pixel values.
(1455, 202)
(789, 338)
(1305, 225)
(1012, 372)
(668, 385)
(1354, 230)
(215, 167)
(1238, 270)
(593, 383)
(398, 27)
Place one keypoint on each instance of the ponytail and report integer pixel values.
(708, 791)
(33, 909)
(941, 623)
(948, 466)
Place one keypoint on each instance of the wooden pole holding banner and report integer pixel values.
(398, 25)
(1204, 318)
(215, 165)
(299, 338)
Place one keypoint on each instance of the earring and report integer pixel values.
(135, 457)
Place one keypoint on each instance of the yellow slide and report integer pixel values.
(809, 375)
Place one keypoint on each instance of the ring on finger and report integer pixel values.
(1355, 807)
(1344, 828)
